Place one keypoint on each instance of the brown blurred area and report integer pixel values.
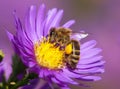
(99, 18)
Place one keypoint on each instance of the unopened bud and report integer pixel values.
(1, 55)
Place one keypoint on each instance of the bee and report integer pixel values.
(61, 38)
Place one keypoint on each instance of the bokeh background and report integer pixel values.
(99, 18)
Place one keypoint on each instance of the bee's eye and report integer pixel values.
(53, 32)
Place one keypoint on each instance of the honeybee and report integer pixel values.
(61, 38)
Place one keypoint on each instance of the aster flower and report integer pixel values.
(5, 67)
(42, 58)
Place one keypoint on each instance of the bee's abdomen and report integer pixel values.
(75, 55)
(76, 48)
(76, 52)
(76, 44)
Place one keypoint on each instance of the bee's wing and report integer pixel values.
(79, 36)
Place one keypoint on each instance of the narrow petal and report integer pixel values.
(32, 64)
(70, 74)
(57, 19)
(41, 73)
(91, 78)
(90, 53)
(32, 17)
(88, 45)
(33, 21)
(90, 71)
(50, 17)
(90, 60)
(28, 29)
(40, 19)
(69, 23)
(7, 70)
(55, 80)
(65, 78)
(10, 36)
(91, 65)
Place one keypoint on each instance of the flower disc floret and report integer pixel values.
(49, 56)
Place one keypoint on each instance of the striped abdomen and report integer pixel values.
(74, 57)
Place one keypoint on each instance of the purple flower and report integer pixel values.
(5, 67)
(31, 43)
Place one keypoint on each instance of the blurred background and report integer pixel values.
(99, 18)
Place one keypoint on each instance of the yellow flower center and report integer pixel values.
(49, 56)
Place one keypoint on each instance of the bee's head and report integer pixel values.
(52, 31)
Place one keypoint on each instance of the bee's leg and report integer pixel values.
(62, 47)
(56, 45)
(51, 39)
